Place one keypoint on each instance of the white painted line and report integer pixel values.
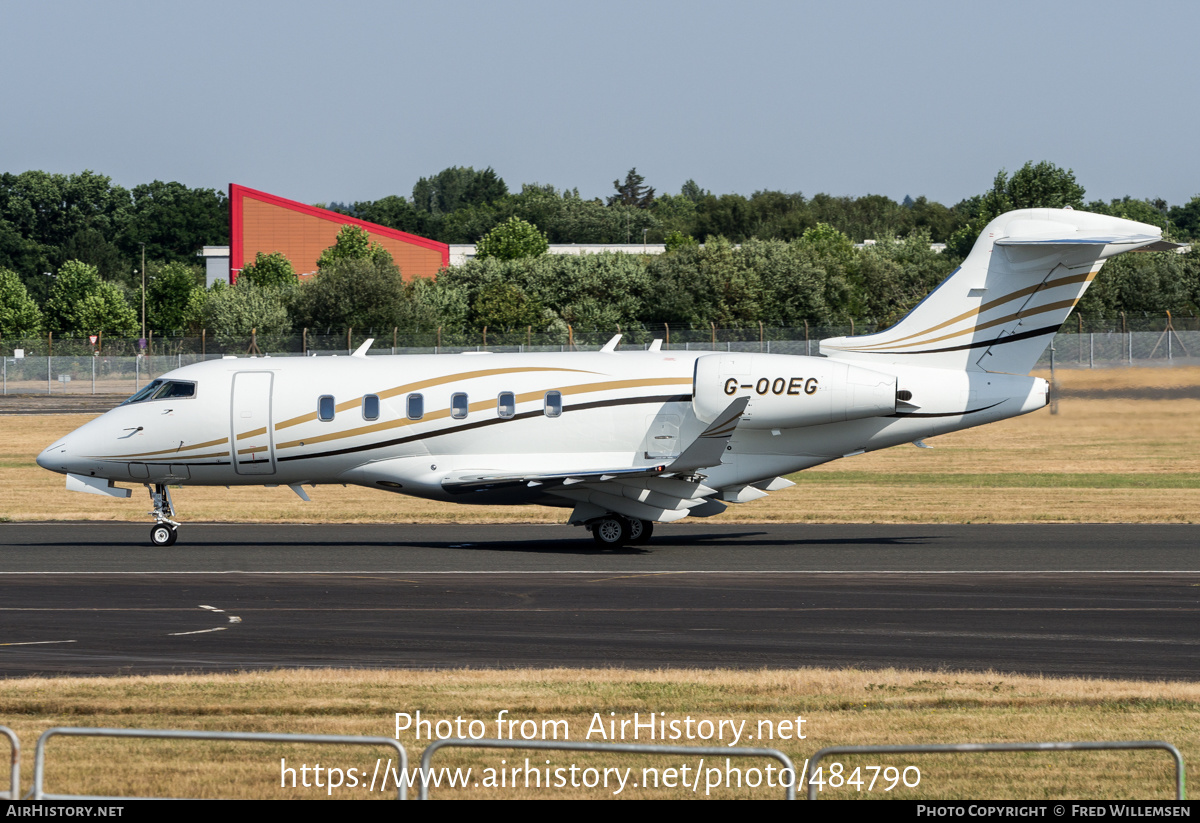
(201, 631)
(39, 642)
(859, 572)
(212, 608)
(233, 618)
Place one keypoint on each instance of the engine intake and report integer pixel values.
(789, 391)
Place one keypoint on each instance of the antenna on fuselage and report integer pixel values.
(611, 345)
(361, 351)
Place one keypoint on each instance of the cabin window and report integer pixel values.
(162, 390)
(506, 404)
(458, 405)
(416, 406)
(325, 406)
(553, 403)
(371, 407)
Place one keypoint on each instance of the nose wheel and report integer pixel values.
(165, 530)
(164, 534)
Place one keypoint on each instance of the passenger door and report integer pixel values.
(252, 441)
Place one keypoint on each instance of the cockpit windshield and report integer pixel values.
(163, 389)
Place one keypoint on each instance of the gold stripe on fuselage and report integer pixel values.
(1083, 277)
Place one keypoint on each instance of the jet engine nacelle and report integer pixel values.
(789, 391)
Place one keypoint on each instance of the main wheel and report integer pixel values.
(611, 531)
(163, 535)
(640, 531)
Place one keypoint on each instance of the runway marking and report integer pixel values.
(628, 576)
(628, 572)
(39, 642)
(212, 608)
(200, 631)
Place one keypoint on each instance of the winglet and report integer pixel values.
(706, 450)
(611, 345)
(361, 351)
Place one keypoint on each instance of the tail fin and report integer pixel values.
(999, 310)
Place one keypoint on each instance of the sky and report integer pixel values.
(356, 100)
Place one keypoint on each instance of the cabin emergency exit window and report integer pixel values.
(458, 405)
(371, 407)
(553, 403)
(416, 406)
(325, 406)
(506, 404)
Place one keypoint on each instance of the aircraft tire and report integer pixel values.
(163, 535)
(611, 531)
(640, 531)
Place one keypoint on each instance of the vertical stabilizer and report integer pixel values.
(999, 310)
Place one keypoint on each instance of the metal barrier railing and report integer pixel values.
(171, 734)
(624, 748)
(943, 748)
(15, 794)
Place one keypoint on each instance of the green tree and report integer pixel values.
(678, 240)
(1041, 186)
(504, 307)
(354, 243)
(82, 303)
(19, 315)
(1186, 219)
(633, 192)
(233, 312)
(272, 269)
(457, 187)
(174, 221)
(363, 293)
(512, 239)
(169, 290)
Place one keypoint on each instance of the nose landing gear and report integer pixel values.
(165, 530)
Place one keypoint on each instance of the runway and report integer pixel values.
(1100, 601)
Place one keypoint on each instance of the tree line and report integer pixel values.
(732, 262)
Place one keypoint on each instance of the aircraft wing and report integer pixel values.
(664, 492)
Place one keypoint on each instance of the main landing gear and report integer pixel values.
(614, 530)
(165, 530)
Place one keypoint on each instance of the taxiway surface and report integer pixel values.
(1105, 600)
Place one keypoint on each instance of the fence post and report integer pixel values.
(1091, 350)
(93, 374)
(394, 339)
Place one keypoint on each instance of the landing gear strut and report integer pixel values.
(165, 530)
(613, 530)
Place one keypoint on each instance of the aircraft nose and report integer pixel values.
(54, 457)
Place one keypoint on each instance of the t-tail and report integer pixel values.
(1001, 308)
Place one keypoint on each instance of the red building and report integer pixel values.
(262, 222)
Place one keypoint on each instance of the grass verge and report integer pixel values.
(838, 707)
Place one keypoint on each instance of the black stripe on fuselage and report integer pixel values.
(596, 404)
(995, 341)
(945, 414)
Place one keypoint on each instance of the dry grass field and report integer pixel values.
(838, 708)
(1115, 459)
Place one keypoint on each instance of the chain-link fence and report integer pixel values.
(102, 372)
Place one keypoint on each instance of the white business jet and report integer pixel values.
(624, 439)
